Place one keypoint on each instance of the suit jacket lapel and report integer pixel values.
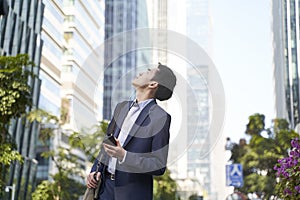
(139, 121)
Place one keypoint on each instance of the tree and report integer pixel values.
(15, 99)
(64, 186)
(165, 187)
(89, 140)
(266, 146)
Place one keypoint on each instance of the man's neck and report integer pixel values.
(142, 96)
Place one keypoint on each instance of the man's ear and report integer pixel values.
(153, 84)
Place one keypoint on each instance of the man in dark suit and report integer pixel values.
(142, 135)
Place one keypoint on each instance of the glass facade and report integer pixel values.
(50, 97)
(20, 32)
(158, 18)
(286, 56)
(199, 159)
(72, 31)
(198, 154)
(121, 16)
(199, 22)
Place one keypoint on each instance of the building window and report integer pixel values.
(67, 68)
(69, 18)
(64, 138)
(69, 2)
(68, 36)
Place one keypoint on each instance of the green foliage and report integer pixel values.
(48, 123)
(43, 191)
(15, 99)
(42, 117)
(164, 187)
(62, 187)
(64, 157)
(238, 151)
(89, 140)
(260, 155)
(8, 155)
(15, 93)
(256, 124)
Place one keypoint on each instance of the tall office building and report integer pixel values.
(50, 74)
(199, 161)
(198, 22)
(20, 33)
(193, 169)
(121, 16)
(286, 59)
(158, 19)
(206, 156)
(83, 61)
(204, 164)
(73, 31)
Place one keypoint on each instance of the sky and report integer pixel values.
(242, 54)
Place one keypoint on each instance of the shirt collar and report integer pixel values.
(141, 104)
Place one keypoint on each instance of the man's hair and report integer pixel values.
(166, 82)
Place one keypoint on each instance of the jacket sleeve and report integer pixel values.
(154, 162)
(104, 157)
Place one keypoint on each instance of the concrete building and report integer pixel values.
(73, 31)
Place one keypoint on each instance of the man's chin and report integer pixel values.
(134, 84)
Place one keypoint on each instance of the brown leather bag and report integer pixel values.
(93, 193)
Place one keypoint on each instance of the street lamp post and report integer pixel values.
(12, 188)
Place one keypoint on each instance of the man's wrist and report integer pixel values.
(122, 160)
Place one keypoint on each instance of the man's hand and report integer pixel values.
(115, 151)
(91, 182)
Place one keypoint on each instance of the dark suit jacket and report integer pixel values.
(147, 151)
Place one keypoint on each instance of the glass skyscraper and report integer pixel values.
(20, 33)
(286, 56)
(50, 74)
(198, 156)
(121, 16)
(158, 19)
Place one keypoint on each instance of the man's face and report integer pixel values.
(145, 78)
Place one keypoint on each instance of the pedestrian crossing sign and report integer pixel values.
(234, 175)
